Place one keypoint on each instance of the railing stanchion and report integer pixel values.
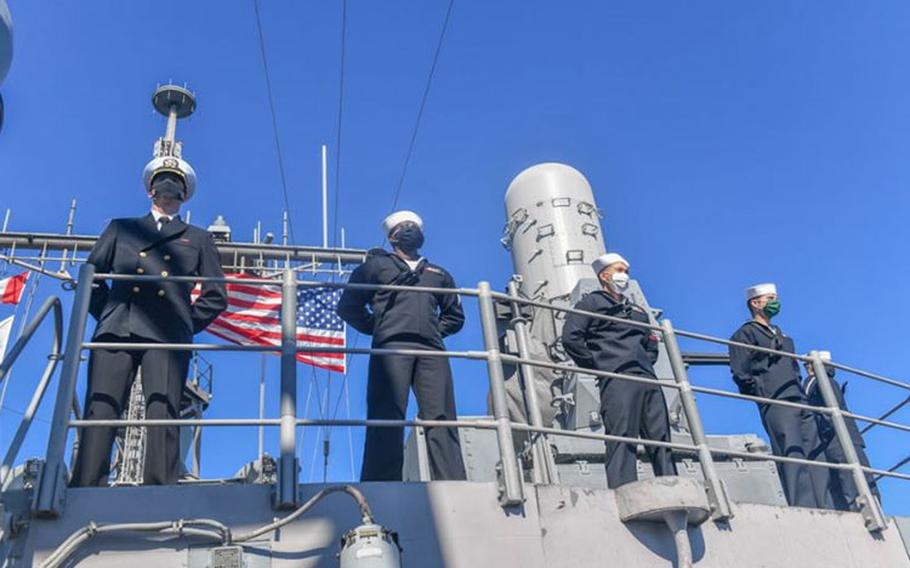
(286, 489)
(868, 504)
(52, 485)
(544, 466)
(511, 490)
(720, 503)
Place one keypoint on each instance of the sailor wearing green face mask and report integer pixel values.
(791, 431)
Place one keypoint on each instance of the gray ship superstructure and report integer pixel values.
(535, 495)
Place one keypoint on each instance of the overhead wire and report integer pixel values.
(338, 131)
(411, 143)
(423, 104)
(268, 87)
(327, 432)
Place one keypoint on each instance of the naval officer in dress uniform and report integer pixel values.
(159, 243)
(406, 320)
(792, 431)
(627, 408)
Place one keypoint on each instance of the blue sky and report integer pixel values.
(727, 144)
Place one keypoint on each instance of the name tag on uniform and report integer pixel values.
(431, 269)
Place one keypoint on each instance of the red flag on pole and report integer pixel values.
(11, 288)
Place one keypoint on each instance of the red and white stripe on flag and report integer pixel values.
(253, 317)
(11, 288)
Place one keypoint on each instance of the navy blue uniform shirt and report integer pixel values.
(395, 315)
(765, 374)
(607, 345)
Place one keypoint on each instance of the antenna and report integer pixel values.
(173, 102)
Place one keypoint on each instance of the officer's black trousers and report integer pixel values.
(110, 377)
(793, 433)
(391, 378)
(634, 410)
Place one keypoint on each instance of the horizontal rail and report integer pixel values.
(868, 375)
(303, 422)
(482, 355)
(877, 421)
(885, 473)
(700, 336)
(479, 424)
(275, 282)
(126, 346)
(473, 292)
(514, 359)
(507, 298)
(51, 241)
(704, 390)
(887, 414)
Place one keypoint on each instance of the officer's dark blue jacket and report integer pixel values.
(765, 374)
(390, 315)
(158, 311)
(607, 345)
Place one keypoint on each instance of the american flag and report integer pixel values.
(253, 317)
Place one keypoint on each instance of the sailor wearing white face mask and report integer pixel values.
(627, 408)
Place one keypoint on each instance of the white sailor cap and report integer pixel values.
(760, 290)
(606, 260)
(399, 217)
(823, 355)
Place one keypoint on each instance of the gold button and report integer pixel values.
(164, 273)
(167, 257)
(143, 254)
(161, 293)
(135, 289)
(140, 270)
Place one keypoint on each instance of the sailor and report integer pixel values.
(629, 409)
(406, 320)
(792, 431)
(841, 488)
(161, 244)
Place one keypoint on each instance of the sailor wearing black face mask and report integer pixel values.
(159, 243)
(406, 320)
(792, 431)
(628, 409)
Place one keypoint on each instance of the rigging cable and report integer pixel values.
(344, 27)
(268, 87)
(423, 103)
(327, 432)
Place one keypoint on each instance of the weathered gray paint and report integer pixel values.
(460, 525)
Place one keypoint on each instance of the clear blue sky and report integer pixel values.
(727, 144)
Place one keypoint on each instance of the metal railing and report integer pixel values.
(52, 303)
(51, 488)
